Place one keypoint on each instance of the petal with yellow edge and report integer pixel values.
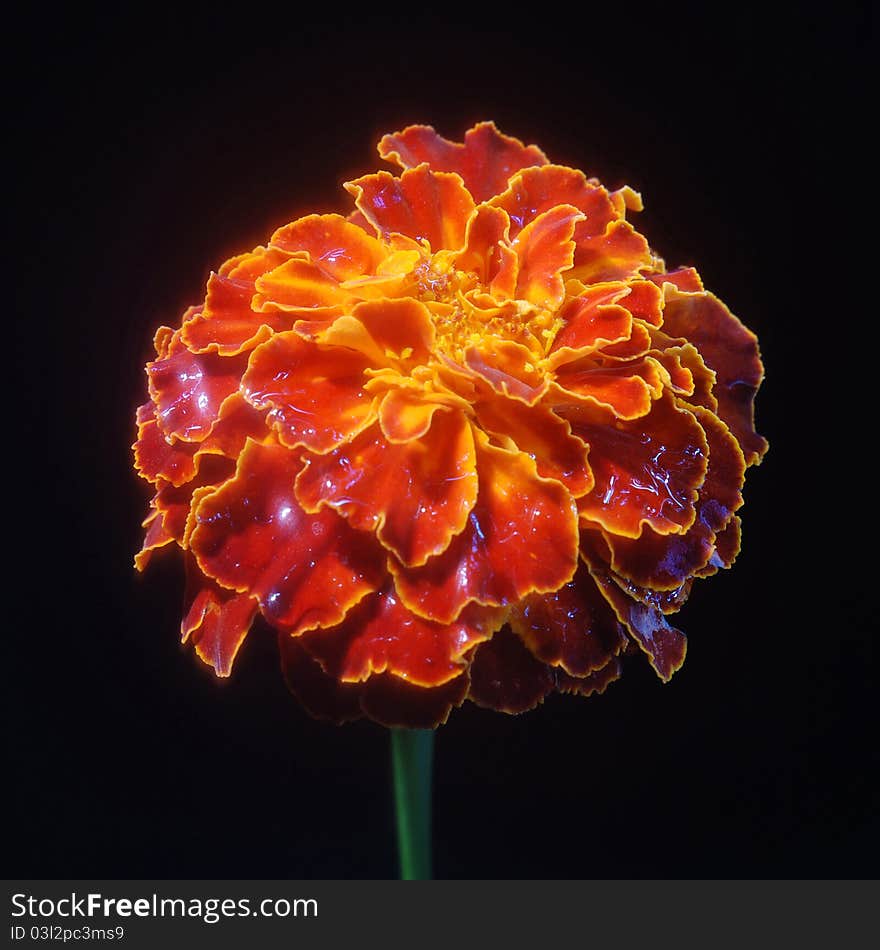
(314, 394)
(506, 677)
(544, 249)
(341, 249)
(647, 471)
(415, 495)
(252, 535)
(422, 204)
(520, 537)
(485, 160)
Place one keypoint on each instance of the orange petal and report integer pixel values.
(216, 621)
(487, 253)
(380, 635)
(188, 390)
(227, 324)
(340, 249)
(251, 535)
(619, 253)
(627, 390)
(422, 204)
(539, 432)
(647, 471)
(664, 645)
(544, 249)
(731, 350)
(665, 561)
(385, 330)
(505, 676)
(416, 495)
(485, 160)
(573, 627)
(509, 369)
(591, 320)
(314, 394)
(156, 456)
(300, 287)
(405, 415)
(535, 190)
(521, 537)
(685, 278)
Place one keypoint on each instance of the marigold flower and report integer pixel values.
(470, 441)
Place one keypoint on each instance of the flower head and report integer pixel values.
(471, 440)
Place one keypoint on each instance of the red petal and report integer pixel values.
(156, 457)
(521, 537)
(628, 391)
(685, 278)
(416, 495)
(314, 393)
(217, 620)
(731, 350)
(593, 683)
(647, 471)
(664, 645)
(572, 627)
(380, 635)
(340, 249)
(508, 367)
(322, 696)
(300, 288)
(506, 677)
(544, 249)
(485, 161)
(406, 414)
(188, 390)
(591, 320)
(539, 432)
(666, 561)
(251, 535)
(421, 204)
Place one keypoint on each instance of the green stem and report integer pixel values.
(412, 757)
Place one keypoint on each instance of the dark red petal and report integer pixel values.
(422, 204)
(647, 471)
(520, 537)
(322, 696)
(731, 350)
(592, 684)
(394, 703)
(251, 535)
(664, 645)
(506, 677)
(539, 432)
(216, 621)
(156, 456)
(415, 495)
(380, 635)
(573, 627)
(188, 390)
(314, 394)
(485, 160)
(727, 543)
(685, 278)
(341, 249)
(664, 562)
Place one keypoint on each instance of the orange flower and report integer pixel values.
(471, 441)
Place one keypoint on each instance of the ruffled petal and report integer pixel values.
(340, 249)
(539, 432)
(415, 495)
(506, 677)
(188, 390)
(487, 253)
(380, 635)
(664, 645)
(385, 331)
(394, 703)
(627, 390)
(422, 204)
(664, 562)
(508, 367)
(572, 628)
(251, 535)
(592, 684)
(216, 621)
(731, 350)
(485, 160)
(156, 456)
(647, 471)
(321, 695)
(406, 414)
(619, 253)
(590, 321)
(521, 537)
(314, 394)
(544, 249)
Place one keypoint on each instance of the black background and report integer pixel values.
(157, 144)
